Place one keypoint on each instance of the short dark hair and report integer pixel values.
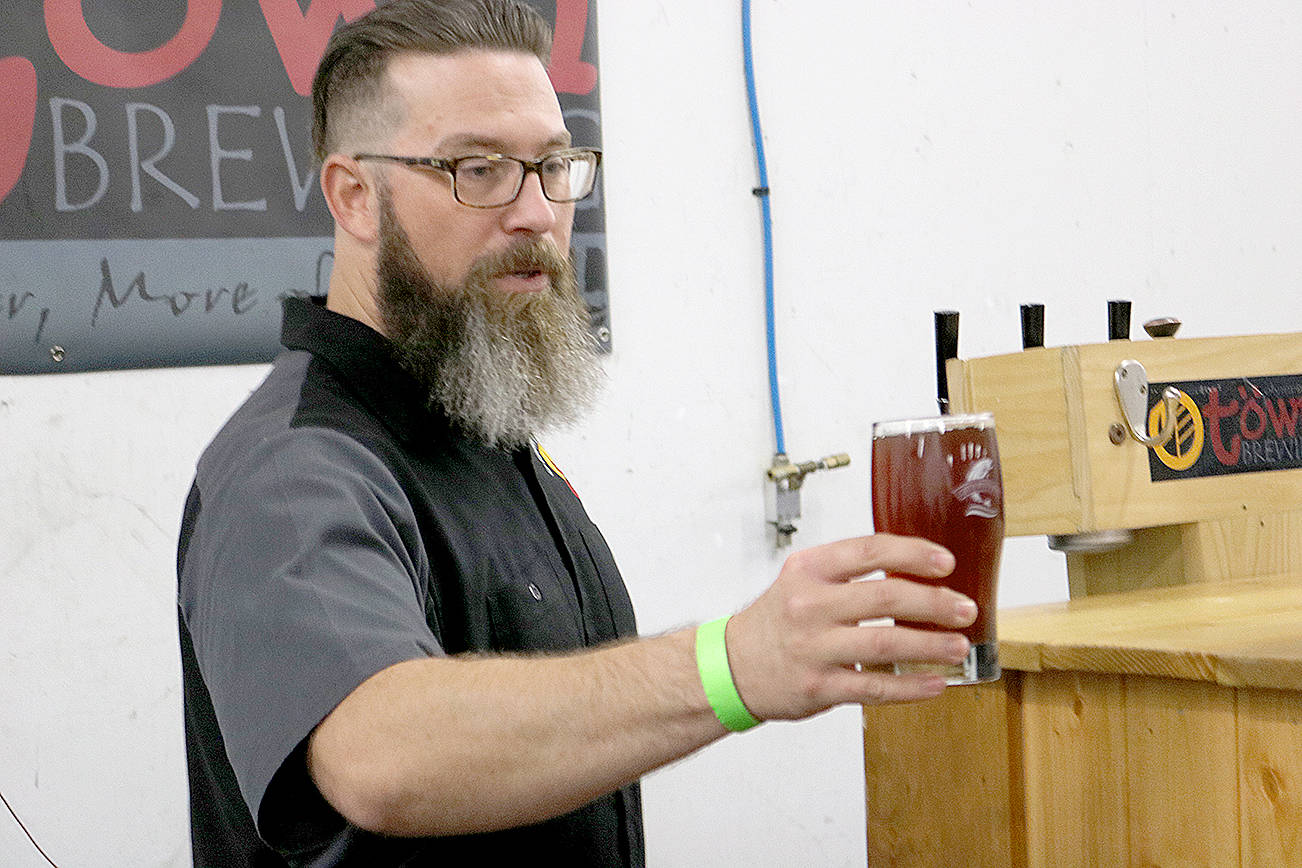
(350, 77)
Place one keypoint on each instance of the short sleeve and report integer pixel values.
(304, 576)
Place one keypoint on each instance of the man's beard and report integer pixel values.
(501, 365)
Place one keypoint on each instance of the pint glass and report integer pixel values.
(938, 478)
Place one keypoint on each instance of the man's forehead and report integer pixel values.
(476, 75)
(472, 142)
(478, 97)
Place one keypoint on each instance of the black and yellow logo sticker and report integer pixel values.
(1181, 451)
(1233, 425)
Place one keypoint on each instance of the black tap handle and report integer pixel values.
(1118, 320)
(946, 349)
(1032, 326)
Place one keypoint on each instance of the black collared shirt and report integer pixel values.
(337, 527)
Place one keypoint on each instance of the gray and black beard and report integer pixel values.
(502, 366)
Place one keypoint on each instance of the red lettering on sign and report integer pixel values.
(570, 74)
(94, 61)
(1215, 411)
(1252, 409)
(301, 37)
(17, 115)
(1284, 419)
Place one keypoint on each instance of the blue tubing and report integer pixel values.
(766, 214)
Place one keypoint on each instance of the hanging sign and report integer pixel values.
(158, 194)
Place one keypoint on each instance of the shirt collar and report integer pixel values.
(364, 360)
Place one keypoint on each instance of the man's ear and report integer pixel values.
(352, 197)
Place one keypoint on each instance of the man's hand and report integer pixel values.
(800, 649)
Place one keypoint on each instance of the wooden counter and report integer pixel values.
(1146, 728)
(1237, 634)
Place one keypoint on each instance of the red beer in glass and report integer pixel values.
(938, 478)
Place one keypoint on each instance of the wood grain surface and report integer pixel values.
(1054, 408)
(1234, 633)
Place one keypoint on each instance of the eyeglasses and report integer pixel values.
(494, 180)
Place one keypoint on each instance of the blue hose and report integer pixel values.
(762, 192)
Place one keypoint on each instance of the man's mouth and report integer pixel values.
(524, 280)
(529, 268)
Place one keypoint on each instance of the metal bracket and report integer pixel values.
(787, 478)
(1132, 394)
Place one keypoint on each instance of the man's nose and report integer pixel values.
(531, 211)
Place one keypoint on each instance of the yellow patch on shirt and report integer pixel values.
(551, 466)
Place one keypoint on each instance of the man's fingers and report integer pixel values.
(878, 687)
(904, 600)
(879, 645)
(851, 558)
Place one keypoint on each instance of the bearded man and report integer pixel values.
(403, 641)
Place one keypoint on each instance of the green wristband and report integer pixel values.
(716, 677)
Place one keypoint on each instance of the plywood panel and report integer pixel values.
(1238, 634)
(1028, 396)
(1075, 769)
(1154, 559)
(1251, 545)
(1053, 410)
(1183, 803)
(1212, 551)
(1270, 777)
(1122, 495)
(940, 786)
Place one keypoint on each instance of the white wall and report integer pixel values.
(922, 156)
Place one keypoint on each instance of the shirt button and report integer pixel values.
(533, 590)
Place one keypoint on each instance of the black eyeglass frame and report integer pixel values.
(535, 166)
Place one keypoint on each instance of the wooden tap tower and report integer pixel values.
(1155, 718)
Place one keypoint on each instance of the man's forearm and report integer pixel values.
(456, 745)
(445, 746)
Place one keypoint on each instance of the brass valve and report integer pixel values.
(783, 472)
(787, 477)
